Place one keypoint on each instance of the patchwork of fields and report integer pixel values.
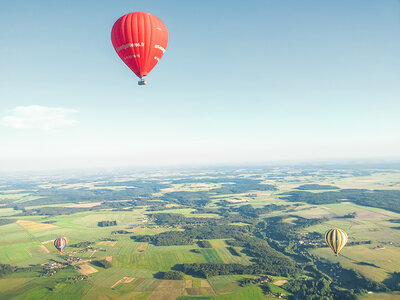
(136, 268)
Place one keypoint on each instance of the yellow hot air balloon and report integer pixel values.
(336, 239)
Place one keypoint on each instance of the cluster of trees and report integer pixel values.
(243, 185)
(275, 227)
(121, 232)
(6, 221)
(233, 251)
(256, 280)
(180, 220)
(166, 238)
(55, 196)
(266, 259)
(248, 211)
(348, 279)
(108, 239)
(7, 269)
(192, 233)
(206, 270)
(116, 205)
(352, 243)
(349, 215)
(49, 211)
(82, 244)
(202, 198)
(145, 187)
(173, 275)
(204, 244)
(317, 187)
(72, 279)
(393, 282)
(102, 263)
(221, 231)
(203, 210)
(317, 289)
(107, 223)
(199, 199)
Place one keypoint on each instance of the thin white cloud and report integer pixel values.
(39, 117)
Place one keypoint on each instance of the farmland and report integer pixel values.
(216, 229)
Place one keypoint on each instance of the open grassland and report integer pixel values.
(336, 210)
(15, 196)
(160, 259)
(211, 256)
(34, 226)
(7, 212)
(168, 290)
(9, 285)
(378, 181)
(225, 284)
(123, 218)
(373, 263)
(245, 293)
(227, 257)
(380, 296)
(375, 260)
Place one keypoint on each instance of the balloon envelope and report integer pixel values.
(60, 244)
(336, 239)
(140, 40)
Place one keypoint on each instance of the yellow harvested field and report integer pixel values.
(44, 249)
(123, 280)
(136, 229)
(168, 290)
(33, 226)
(37, 250)
(85, 205)
(142, 247)
(204, 283)
(238, 200)
(189, 284)
(280, 282)
(108, 243)
(85, 269)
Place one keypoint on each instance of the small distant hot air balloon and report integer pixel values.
(336, 239)
(60, 243)
(140, 40)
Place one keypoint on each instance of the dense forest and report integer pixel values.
(316, 187)
(107, 223)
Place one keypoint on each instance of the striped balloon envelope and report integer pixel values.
(60, 243)
(336, 239)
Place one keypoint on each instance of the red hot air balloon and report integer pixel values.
(140, 40)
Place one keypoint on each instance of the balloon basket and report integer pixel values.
(142, 82)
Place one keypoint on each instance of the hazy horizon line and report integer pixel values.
(386, 163)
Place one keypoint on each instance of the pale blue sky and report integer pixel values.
(241, 81)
